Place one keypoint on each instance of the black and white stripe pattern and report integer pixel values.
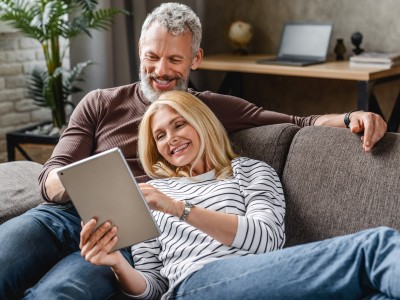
(254, 193)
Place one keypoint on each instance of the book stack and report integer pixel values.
(380, 60)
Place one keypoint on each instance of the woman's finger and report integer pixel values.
(102, 247)
(89, 240)
(86, 231)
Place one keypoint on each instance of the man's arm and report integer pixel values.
(74, 144)
(55, 190)
(370, 124)
(237, 114)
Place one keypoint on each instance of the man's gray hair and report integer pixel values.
(177, 19)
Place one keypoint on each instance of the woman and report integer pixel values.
(215, 211)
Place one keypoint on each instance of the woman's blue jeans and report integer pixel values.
(40, 258)
(365, 265)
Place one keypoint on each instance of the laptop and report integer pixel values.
(103, 187)
(302, 44)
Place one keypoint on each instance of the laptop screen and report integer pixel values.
(305, 40)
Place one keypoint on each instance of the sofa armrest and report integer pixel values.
(19, 189)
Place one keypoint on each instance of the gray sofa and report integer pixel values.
(332, 186)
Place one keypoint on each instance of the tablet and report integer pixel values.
(103, 187)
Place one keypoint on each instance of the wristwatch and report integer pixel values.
(186, 211)
(347, 118)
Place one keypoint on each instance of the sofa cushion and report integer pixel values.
(268, 143)
(19, 189)
(333, 187)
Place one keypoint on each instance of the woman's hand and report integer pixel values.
(158, 201)
(95, 248)
(221, 226)
(96, 245)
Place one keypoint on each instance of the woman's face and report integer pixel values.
(177, 141)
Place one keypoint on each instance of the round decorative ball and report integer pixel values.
(240, 34)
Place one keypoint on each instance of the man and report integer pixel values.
(39, 253)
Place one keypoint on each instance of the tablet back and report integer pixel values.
(103, 187)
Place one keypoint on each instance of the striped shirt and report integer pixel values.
(254, 193)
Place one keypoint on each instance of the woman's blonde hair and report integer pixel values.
(214, 142)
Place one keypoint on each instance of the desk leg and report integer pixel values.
(394, 121)
(366, 98)
(364, 92)
(367, 101)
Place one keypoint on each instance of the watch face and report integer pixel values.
(186, 211)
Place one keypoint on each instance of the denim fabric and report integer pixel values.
(361, 265)
(39, 256)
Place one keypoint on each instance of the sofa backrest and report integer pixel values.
(267, 143)
(333, 187)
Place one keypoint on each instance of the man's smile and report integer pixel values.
(163, 84)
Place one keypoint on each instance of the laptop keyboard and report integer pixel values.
(287, 61)
(293, 60)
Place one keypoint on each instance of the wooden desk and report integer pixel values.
(367, 78)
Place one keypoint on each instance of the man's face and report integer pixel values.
(165, 61)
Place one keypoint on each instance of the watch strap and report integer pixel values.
(347, 118)
(186, 211)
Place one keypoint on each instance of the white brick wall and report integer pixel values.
(18, 54)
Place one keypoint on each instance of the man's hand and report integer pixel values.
(54, 188)
(373, 126)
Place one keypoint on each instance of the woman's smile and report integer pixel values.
(179, 148)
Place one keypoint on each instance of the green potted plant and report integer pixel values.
(48, 21)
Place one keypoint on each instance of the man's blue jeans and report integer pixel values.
(39, 256)
(365, 265)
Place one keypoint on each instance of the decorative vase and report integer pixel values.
(340, 49)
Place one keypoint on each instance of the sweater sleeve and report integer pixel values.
(237, 114)
(145, 258)
(76, 141)
(261, 229)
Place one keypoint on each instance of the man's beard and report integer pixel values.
(150, 93)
